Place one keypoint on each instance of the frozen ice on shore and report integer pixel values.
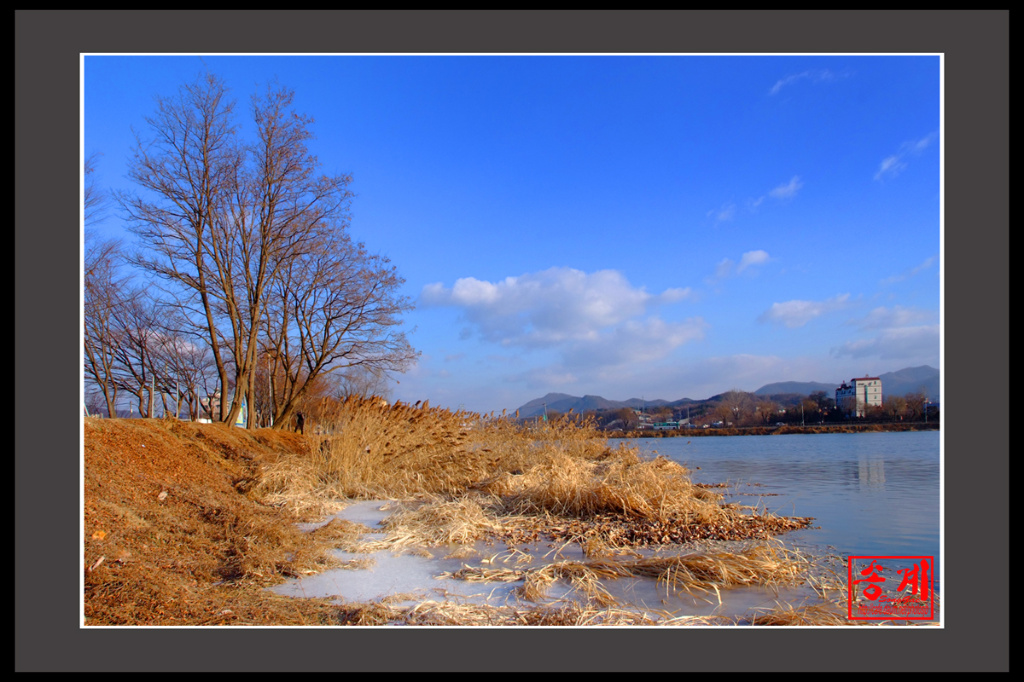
(409, 578)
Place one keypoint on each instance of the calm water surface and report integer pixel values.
(869, 493)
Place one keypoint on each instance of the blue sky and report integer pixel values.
(659, 226)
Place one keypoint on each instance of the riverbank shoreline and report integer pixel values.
(188, 524)
(771, 430)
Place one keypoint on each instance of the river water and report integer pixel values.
(871, 494)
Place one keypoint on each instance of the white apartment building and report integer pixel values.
(860, 393)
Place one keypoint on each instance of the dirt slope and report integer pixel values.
(172, 537)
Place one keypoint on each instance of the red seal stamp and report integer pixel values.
(891, 588)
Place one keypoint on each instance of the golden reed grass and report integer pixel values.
(365, 449)
(466, 478)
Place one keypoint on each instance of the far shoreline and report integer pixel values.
(773, 430)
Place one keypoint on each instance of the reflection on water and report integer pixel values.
(870, 493)
(871, 472)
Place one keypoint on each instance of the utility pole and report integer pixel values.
(270, 394)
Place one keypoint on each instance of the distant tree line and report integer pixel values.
(243, 282)
(741, 409)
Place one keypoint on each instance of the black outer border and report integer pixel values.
(47, 367)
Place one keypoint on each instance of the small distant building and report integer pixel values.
(212, 405)
(644, 420)
(855, 397)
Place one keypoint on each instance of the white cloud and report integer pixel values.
(895, 164)
(634, 342)
(890, 318)
(613, 357)
(588, 326)
(725, 213)
(787, 191)
(891, 165)
(816, 76)
(701, 380)
(750, 259)
(912, 272)
(545, 379)
(918, 344)
(797, 313)
(903, 334)
(780, 193)
(549, 307)
(676, 294)
(725, 268)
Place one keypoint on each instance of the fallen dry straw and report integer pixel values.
(566, 614)
(440, 522)
(766, 564)
(817, 614)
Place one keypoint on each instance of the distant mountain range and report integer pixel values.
(561, 402)
(900, 382)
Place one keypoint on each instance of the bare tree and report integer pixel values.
(183, 172)
(809, 413)
(282, 212)
(221, 220)
(101, 297)
(915, 403)
(336, 309)
(102, 294)
(94, 199)
(251, 242)
(182, 365)
(361, 381)
(135, 320)
(895, 406)
(767, 411)
(735, 408)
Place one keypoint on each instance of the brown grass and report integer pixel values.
(188, 523)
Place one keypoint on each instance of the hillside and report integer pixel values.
(562, 403)
(900, 382)
(797, 388)
(912, 380)
(173, 534)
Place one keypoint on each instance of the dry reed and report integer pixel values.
(440, 522)
(225, 498)
(766, 564)
(496, 477)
